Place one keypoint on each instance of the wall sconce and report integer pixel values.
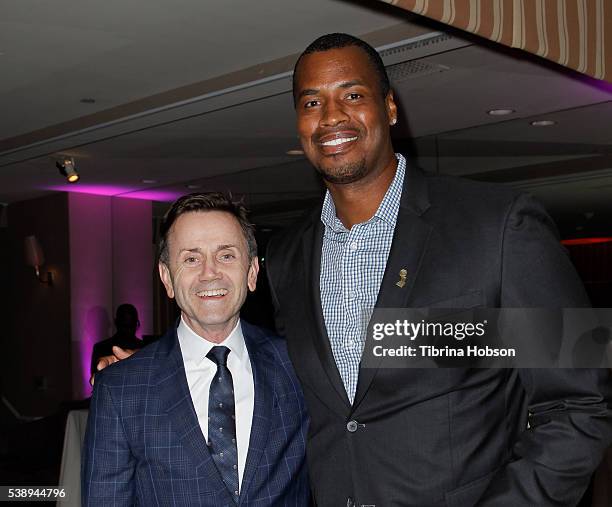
(35, 257)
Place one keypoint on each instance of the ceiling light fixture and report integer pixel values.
(67, 168)
(543, 123)
(500, 112)
(88, 100)
(193, 186)
(149, 182)
(295, 152)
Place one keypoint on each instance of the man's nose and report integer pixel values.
(333, 114)
(210, 270)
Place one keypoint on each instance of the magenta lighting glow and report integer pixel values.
(120, 191)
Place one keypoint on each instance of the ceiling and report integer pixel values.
(196, 95)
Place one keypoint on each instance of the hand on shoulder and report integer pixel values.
(118, 355)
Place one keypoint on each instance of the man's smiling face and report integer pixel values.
(342, 118)
(208, 271)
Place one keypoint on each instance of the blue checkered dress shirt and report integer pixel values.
(352, 267)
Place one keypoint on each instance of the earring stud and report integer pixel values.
(393, 121)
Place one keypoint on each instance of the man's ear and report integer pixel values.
(391, 108)
(252, 274)
(164, 274)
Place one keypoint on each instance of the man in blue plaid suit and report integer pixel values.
(212, 414)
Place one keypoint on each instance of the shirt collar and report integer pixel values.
(387, 210)
(194, 347)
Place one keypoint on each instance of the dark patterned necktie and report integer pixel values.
(222, 421)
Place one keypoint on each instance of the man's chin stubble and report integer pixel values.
(344, 175)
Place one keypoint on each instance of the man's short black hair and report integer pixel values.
(343, 40)
(205, 201)
(126, 317)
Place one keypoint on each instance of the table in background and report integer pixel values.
(70, 471)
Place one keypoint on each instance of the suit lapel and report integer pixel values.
(176, 402)
(263, 378)
(312, 244)
(410, 240)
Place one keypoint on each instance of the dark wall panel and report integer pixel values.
(36, 372)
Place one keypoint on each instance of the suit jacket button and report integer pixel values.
(352, 426)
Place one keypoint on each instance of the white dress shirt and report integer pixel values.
(200, 371)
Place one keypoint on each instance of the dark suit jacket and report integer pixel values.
(446, 437)
(144, 445)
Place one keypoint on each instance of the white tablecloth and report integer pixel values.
(70, 472)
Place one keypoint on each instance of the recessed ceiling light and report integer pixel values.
(295, 152)
(88, 100)
(543, 123)
(149, 182)
(500, 112)
(193, 186)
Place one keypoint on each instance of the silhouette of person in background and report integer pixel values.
(126, 322)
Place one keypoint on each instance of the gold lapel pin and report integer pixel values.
(402, 278)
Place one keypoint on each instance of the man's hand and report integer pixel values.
(118, 355)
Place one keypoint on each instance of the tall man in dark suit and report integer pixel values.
(388, 235)
(211, 414)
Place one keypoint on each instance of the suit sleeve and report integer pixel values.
(570, 416)
(108, 465)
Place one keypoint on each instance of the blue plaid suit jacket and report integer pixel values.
(144, 446)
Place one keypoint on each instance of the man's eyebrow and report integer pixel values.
(191, 250)
(348, 84)
(223, 247)
(307, 91)
(345, 84)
